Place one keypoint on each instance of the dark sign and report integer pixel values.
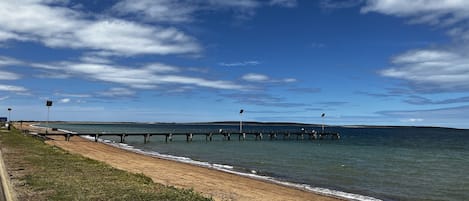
(48, 103)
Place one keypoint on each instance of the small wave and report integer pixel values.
(223, 166)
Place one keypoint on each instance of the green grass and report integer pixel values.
(50, 173)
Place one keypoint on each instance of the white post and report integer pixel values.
(241, 122)
(47, 122)
(322, 116)
(323, 125)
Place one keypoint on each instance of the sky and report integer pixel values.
(361, 62)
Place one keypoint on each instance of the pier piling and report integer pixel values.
(146, 138)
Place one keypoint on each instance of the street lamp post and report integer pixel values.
(241, 121)
(9, 114)
(322, 116)
(48, 104)
(9, 118)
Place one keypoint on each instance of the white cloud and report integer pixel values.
(157, 10)
(4, 98)
(448, 14)
(118, 92)
(436, 69)
(422, 11)
(162, 68)
(65, 100)
(146, 77)
(242, 63)
(449, 116)
(59, 26)
(9, 76)
(95, 59)
(184, 11)
(284, 3)
(73, 95)
(432, 70)
(289, 80)
(254, 77)
(7, 61)
(11, 88)
(412, 120)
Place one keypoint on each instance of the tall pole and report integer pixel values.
(9, 118)
(47, 122)
(9, 114)
(241, 121)
(48, 104)
(322, 116)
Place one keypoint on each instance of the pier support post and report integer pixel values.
(189, 137)
(146, 138)
(168, 137)
(122, 138)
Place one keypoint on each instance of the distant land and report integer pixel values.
(234, 123)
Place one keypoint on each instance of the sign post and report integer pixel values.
(9, 118)
(48, 104)
(322, 116)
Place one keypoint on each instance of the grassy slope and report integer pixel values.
(44, 172)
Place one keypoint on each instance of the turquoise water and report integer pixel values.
(402, 163)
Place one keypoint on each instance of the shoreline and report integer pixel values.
(227, 168)
(305, 191)
(212, 183)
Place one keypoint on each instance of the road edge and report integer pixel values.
(6, 185)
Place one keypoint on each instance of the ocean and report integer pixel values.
(367, 163)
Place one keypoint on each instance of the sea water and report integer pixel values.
(389, 163)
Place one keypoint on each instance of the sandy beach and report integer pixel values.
(212, 183)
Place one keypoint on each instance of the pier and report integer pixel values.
(209, 136)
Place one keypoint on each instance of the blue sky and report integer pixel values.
(373, 62)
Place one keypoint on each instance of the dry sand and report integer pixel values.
(212, 183)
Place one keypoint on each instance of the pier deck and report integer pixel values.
(208, 135)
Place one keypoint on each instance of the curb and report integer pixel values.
(7, 188)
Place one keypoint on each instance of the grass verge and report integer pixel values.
(43, 172)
